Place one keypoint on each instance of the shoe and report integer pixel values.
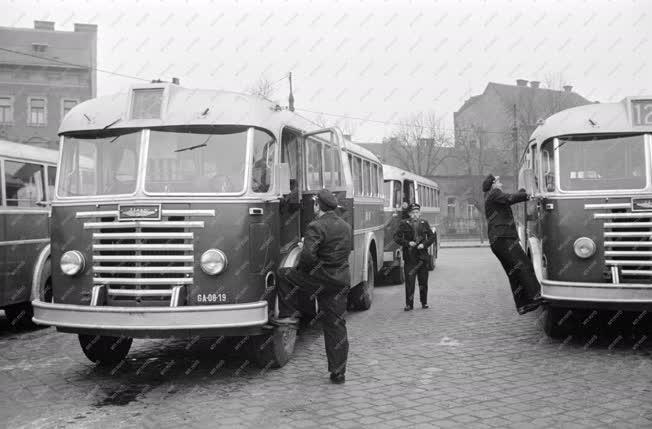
(528, 307)
(337, 378)
(425, 306)
(285, 321)
(408, 308)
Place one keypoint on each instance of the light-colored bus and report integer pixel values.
(401, 189)
(187, 204)
(28, 174)
(588, 230)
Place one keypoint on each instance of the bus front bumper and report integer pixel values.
(608, 295)
(150, 321)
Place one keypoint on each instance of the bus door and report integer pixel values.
(325, 164)
(408, 193)
(290, 210)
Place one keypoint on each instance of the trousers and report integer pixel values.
(332, 301)
(518, 267)
(414, 271)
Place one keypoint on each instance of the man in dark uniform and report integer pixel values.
(323, 271)
(415, 236)
(505, 244)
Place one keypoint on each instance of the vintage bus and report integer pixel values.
(175, 209)
(28, 174)
(401, 189)
(588, 230)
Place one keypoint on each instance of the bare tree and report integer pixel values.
(263, 88)
(420, 143)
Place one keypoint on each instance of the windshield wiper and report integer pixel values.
(191, 147)
(113, 123)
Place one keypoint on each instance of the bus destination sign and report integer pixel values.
(641, 112)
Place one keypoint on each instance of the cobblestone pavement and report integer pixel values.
(469, 361)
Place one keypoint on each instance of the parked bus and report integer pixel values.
(401, 189)
(588, 229)
(187, 205)
(28, 174)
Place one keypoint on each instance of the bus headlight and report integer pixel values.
(213, 261)
(72, 262)
(584, 247)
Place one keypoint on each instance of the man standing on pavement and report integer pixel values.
(505, 244)
(415, 236)
(323, 272)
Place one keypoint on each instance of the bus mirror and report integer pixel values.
(526, 180)
(282, 175)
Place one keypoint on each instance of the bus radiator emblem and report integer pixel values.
(139, 212)
(641, 204)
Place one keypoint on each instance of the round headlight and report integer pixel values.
(213, 261)
(72, 262)
(584, 247)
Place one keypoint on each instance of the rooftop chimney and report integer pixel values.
(521, 82)
(175, 80)
(568, 88)
(534, 84)
(89, 28)
(44, 25)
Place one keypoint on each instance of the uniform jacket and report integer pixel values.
(405, 233)
(500, 220)
(327, 244)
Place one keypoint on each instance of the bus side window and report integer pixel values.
(548, 167)
(357, 175)
(408, 191)
(52, 175)
(314, 163)
(398, 194)
(290, 156)
(262, 162)
(24, 184)
(374, 180)
(367, 178)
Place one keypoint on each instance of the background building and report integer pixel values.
(43, 74)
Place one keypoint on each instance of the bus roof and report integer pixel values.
(183, 106)
(28, 152)
(597, 118)
(394, 173)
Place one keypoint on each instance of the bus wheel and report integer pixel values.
(273, 350)
(104, 350)
(557, 322)
(361, 295)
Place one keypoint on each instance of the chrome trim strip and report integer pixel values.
(607, 206)
(144, 224)
(30, 241)
(176, 295)
(615, 277)
(637, 272)
(43, 257)
(627, 253)
(628, 234)
(114, 213)
(168, 247)
(623, 263)
(370, 229)
(23, 211)
(150, 318)
(643, 286)
(139, 292)
(96, 294)
(141, 235)
(141, 281)
(120, 269)
(621, 215)
(627, 224)
(143, 258)
(103, 213)
(628, 243)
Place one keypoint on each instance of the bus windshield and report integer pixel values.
(103, 164)
(198, 160)
(600, 163)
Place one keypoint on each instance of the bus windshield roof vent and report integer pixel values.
(146, 103)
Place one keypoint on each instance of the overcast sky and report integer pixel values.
(381, 60)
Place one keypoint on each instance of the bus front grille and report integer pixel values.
(628, 244)
(140, 263)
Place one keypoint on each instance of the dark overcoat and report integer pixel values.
(500, 219)
(405, 233)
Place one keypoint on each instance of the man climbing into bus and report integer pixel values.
(322, 272)
(504, 243)
(415, 236)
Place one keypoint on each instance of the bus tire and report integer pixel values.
(557, 322)
(361, 295)
(104, 350)
(275, 349)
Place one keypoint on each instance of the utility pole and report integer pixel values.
(291, 97)
(515, 147)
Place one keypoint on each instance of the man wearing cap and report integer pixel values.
(415, 236)
(323, 271)
(505, 244)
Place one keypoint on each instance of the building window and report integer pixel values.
(6, 110)
(37, 114)
(39, 47)
(67, 105)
